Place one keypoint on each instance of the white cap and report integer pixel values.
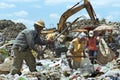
(82, 35)
(91, 33)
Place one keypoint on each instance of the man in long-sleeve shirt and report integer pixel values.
(24, 43)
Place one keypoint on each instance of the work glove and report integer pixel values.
(40, 55)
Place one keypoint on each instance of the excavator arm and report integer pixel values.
(73, 10)
(91, 12)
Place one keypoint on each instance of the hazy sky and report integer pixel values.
(29, 11)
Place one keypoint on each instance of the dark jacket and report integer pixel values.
(27, 39)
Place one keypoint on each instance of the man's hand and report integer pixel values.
(87, 50)
(69, 53)
(40, 55)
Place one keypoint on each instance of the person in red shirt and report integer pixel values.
(92, 46)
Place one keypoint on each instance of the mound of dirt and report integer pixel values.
(9, 29)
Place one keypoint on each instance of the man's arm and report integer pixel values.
(31, 42)
(70, 49)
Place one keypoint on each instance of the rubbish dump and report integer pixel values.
(58, 69)
(107, 66)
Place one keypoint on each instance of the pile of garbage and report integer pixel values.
(51, 68)
(58, 69)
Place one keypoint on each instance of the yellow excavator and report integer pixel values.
(62, 26)
(87, 5)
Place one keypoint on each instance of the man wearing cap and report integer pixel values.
(76, 49)
(24, 43)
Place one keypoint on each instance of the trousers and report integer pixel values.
(19, 56)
